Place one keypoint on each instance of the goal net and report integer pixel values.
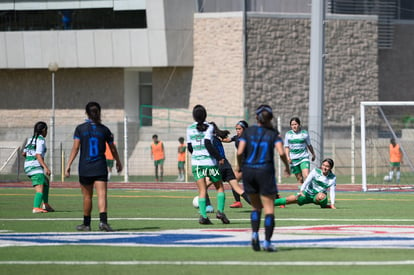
(10, 163)
(382, 121)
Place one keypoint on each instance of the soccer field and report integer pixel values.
(156, 232)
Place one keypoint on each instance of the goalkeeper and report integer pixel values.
(315, 187)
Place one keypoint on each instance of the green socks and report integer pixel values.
(202, 207)
(221, 200)
(281, 201)
(37, 200)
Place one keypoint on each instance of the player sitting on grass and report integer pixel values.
(314, 189)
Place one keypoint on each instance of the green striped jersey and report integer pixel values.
(298, 146)
(200, 155)
(34, 146)
(317, 182)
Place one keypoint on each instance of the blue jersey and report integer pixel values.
(260, 144)
(93, 138)
(219, 147)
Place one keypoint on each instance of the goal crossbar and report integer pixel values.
(363, 104)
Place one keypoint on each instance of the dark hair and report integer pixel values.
(93, 110)
(154, 136)
(243, 124)
(200, 115)
(330, 161)
(181, 139)
(264, 115)
(296, 119)
(218, 132)
(37, 131)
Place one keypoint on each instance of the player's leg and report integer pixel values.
(156, 169)
(269, 221)
(46, 205)
(288, 200)
(321, 199)
(255, 217)
(37, 183)
(102, 192)
(87, 193)
(161, 164)
(398, 175)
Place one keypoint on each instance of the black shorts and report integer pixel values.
(226, 171)
(259, 181)
(91, 180)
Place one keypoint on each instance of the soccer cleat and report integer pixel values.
(209, 209)
(236, 204)
(83, 227)
(255, 241)
(326, 206)
(267, 246)
(203, 220)
(105, 227)
(221, 216)
(48, 208)
(37, 210)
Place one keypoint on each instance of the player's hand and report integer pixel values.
(67, 172)
(47, 171)
(118, 167)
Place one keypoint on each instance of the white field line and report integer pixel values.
(223, 263)
(191, 219)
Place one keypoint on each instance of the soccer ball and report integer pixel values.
(387, 178)
(195, 202)
(209, 209)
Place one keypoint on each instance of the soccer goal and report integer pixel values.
(382, 121)
(9, 163)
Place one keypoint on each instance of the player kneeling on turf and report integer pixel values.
(315, 187)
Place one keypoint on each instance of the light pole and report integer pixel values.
(53, 67)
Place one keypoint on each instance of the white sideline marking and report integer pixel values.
(192, 219)
(236, 263)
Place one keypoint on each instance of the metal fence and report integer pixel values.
(133, 143)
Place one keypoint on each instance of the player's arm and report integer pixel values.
(332, 194)
(283, 157)
(310, 147)
(115, 154)
(72, 156)
(240, 151)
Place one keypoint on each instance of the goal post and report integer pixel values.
(378, 118)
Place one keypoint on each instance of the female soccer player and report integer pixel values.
(204, 158)
(36, 168)
(297, 143)
(314, 189)
(226, 170)
(240, 127)
(90, 137)
(256, 154)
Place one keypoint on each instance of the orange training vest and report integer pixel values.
(157, 151)
(395, 153)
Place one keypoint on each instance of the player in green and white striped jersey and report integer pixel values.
(204, 159)
(35, 167)
(297, 143)
(314, 189)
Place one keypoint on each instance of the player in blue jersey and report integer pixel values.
(256, 155)
(90, 138)
(240, 127)
(225, 168)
